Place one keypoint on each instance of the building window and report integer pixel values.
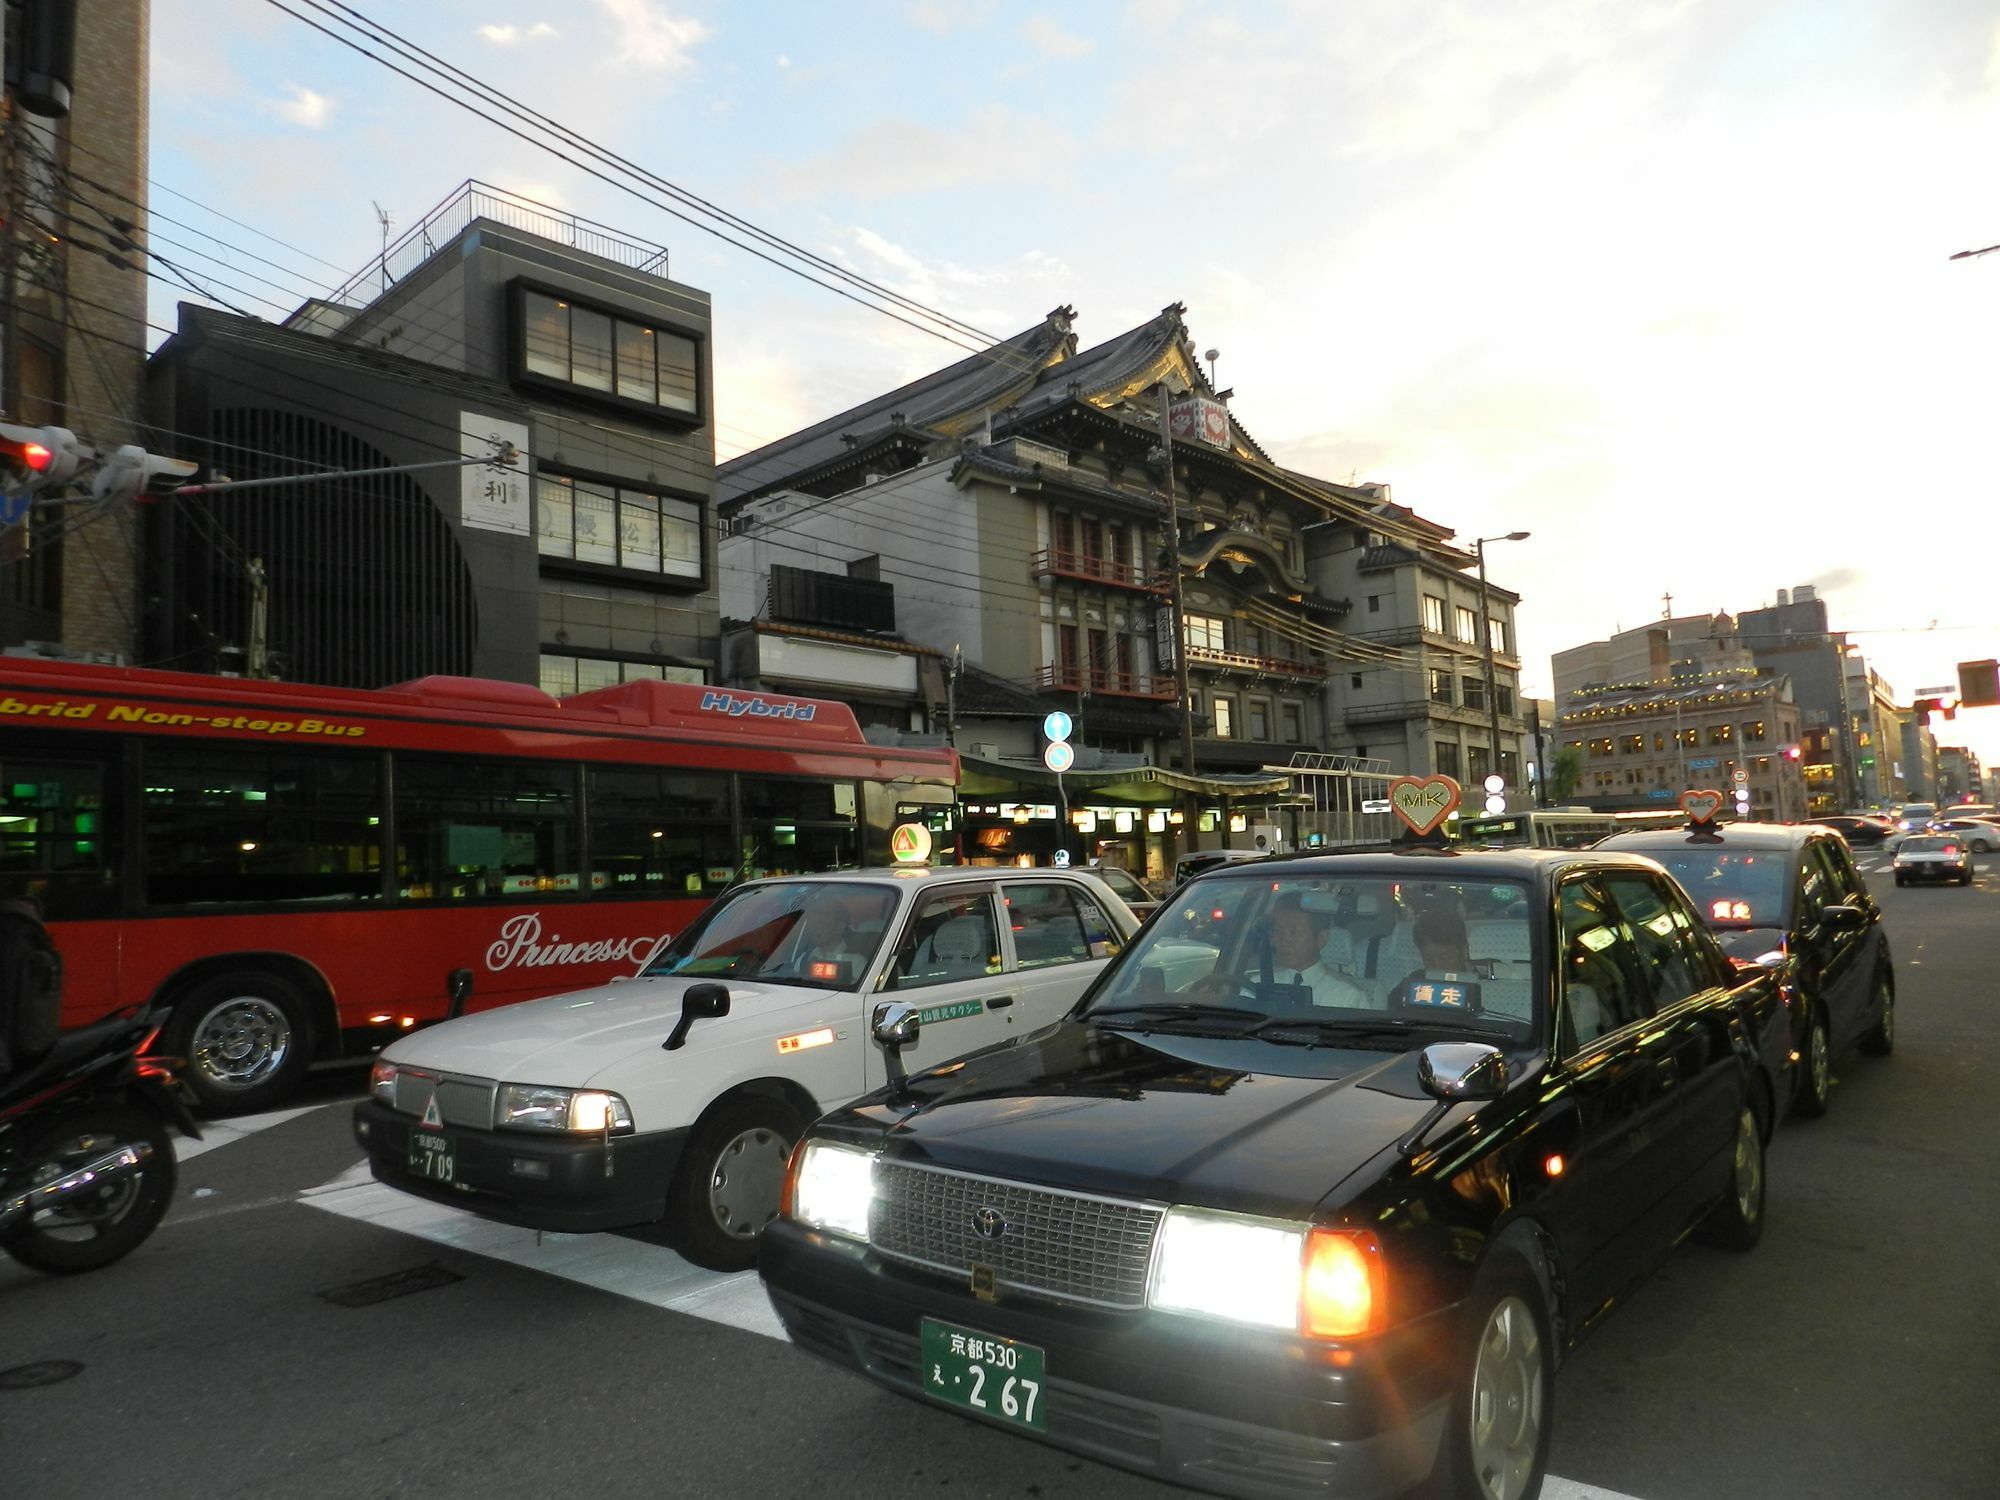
(1754, 733)
(1258, 714)
(1225, 717)
(1354, 680)
(1468, 624)
(1478, 761)
(1447, 759)
(617, 527)
(1434, 614)
(1659, 744)
(1510, 767)
(1194, 705)
(1632, 744)
(1293, 720)
(1203, 633)
(562, 675)
(1601, 747)
(1374, 604)
(1496, 635)
(612, 356)
(1721, 734)
(1440, 685)
(1472, 692)
(1504, 696)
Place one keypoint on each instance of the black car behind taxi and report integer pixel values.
(1789, 896)
(1316, 1186)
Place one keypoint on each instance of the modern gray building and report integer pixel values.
(494, 321)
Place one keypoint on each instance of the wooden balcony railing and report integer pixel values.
(1239, 661)
(1060, 679)
(1066, 564)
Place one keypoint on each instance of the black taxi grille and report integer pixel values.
(1068, 1247)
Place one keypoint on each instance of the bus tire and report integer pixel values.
(730, 1179)
(247, 1037)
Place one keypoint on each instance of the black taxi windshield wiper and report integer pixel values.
(1372, 1033)
(1167, 1016)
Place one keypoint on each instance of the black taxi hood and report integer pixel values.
(1165, 1118)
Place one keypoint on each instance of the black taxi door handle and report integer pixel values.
(1668, 1070)
(998, 1002)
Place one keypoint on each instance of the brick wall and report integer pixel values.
(105, 139)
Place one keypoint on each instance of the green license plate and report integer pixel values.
(430, 1156)
(982, 1373)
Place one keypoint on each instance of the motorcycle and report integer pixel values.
(87, 1165)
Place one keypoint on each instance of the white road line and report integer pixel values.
(216, 1133)
(646, 1273)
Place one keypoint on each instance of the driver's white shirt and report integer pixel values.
(1328, 986)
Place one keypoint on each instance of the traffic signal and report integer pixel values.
(1791, 752)
(1979, 683)
(1924, 707)
(131, 471)
(39, 458)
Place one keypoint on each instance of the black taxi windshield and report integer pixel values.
(1367, 960)
(1732, 887)
(817, 933)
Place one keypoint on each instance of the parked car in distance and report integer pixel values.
(1251, 1222)
(1790, 897)
(679, 1093)
(1914, 815)
(1933, 856)
(1860, 829)
(1976, 834)
(1201, 861)
(1130, 889)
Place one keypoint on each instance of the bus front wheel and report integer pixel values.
(247, 1038)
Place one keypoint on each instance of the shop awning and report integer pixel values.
(1141, 786)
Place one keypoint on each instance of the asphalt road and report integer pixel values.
(1852, 1354)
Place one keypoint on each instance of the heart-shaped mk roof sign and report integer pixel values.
(1702, 806)
(1423, 802)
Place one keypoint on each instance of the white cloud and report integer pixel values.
(650, 38)
(943, 17)
(305, 108)
(896, 156)
(1045, 34)
(784, 60)
(507, 36)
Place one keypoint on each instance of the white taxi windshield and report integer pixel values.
(1363, 960)
(818, 933)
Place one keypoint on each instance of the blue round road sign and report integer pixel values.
(1056, 726)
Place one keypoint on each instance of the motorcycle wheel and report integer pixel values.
(97, 1226)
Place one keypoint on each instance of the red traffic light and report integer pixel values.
(30, 455)
(1791, 752)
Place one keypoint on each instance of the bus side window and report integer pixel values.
(58, 842)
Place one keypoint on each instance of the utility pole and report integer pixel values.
(1190, 800)
(257, 660)
(951, 695)
(1486, 640)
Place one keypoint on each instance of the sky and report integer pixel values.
(1665, 283)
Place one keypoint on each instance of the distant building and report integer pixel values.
(1643, 743)
(1876, 730)
(1652, 652)
(1960, 776)
(1421, 703)
(494, 319)
(1793, 637)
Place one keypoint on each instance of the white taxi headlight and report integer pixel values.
(1228, 1266)
(833, 1187)
(382, 1081)
(528, 1106)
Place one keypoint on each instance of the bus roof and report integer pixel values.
(84, 695)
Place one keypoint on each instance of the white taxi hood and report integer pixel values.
(565, 1041)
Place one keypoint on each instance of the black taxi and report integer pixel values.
(1318, 1183)
(1789, 896)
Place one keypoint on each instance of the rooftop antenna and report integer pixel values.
(1211, 355)
(382, 216)
(1667, 599)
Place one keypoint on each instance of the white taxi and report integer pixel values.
(678, 1094)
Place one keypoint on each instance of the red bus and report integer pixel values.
(301, 871)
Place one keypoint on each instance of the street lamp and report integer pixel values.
(1486, 637)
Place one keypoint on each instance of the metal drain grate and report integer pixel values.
(387, 1288)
